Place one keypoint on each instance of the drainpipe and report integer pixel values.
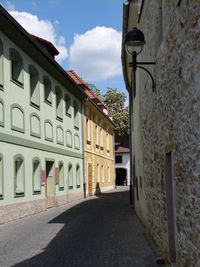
(132, 160)
(83, 148)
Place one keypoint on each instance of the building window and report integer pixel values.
(108, 143)
(97, 136)
(88, 130)
(118, 159)
(1, 64)
(59, 106)
(98, 173)
(109, 174)
(68, 106)
(70, 176)
(47, 90)
(36, 176)
(61, 176)
(78, 178)
(101, 138)
(34, 86)
(19, 175)
(102, 173)
(1, 176)
(16, 67)
(76, 115)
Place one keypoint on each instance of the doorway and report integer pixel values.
(89, 179)
(50, 183)
(170, 206)
(121, 176)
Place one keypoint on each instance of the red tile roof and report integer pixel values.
(121, 149)
(48, 45)
(87, 90)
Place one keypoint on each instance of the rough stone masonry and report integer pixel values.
(170, 122)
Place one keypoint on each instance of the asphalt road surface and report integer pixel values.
(102, 231)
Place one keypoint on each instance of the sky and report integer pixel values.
(87, 33)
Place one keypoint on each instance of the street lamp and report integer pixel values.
(134, 42)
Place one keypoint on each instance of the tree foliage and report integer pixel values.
(95, 89)
(115, 103)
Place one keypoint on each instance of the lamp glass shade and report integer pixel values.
(134, 41)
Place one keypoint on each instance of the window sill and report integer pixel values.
(35, 106)
(17, 83)
(19, 194)
(68, 115)
(48, 102)
(61, 188)
(37, 192)
(88, 142)
(59, 118)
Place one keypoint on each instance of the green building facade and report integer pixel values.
(41, 152)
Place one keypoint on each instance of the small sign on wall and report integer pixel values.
(43, 177)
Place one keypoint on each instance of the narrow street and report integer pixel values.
(101, 231)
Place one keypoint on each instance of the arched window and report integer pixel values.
(16, 66)
(19, 176)
(59, 105)
(78, 177)
(109, 174)
(76, 115)
(34, 86)
(61, 176)
(70, 176)
(1, 176)
(108, 143)
(98, 173)
(68, 106)
(102, 174)
(36, 176)
(47, 90)
(1, 64)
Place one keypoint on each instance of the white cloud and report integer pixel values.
(96, 54)
(10, 6)
(43, 29)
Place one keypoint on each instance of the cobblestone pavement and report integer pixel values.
(101, 231)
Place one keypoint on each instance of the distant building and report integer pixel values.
(41, 152)
(122, 160)
(167, 125)
(98, 142)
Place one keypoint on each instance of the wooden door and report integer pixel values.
(90, 179)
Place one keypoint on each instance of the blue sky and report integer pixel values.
(86, 32)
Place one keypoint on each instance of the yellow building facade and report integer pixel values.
(99, 154)
(99, 174)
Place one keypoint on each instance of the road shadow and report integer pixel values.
(102, 231)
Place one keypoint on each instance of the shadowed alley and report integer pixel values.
(101, 231)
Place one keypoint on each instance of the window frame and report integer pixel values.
(61, 186)
(1, 66)
(2, 173)
(78, 177)
(36, 88)
(36, 192)
(70, 168)
(16, 58)
(22, 193)
(46, 82)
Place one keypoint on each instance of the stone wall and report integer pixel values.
(170, 122)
